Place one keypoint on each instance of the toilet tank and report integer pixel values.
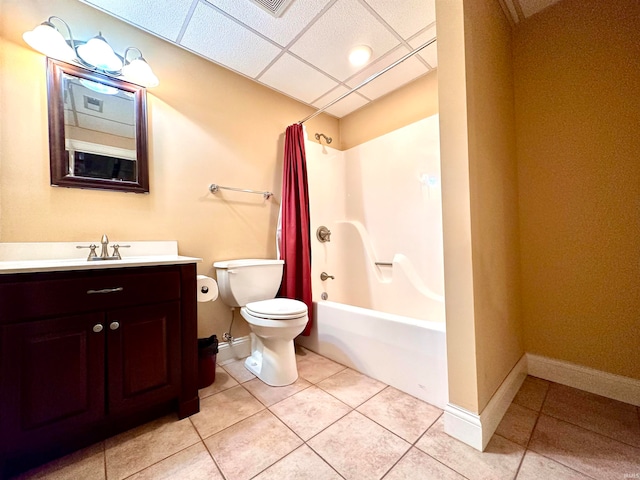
(248, 280)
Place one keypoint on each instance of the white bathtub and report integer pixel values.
(406, 353)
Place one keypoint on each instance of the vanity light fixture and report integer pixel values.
(138, 70)
(95, 54)
(360, 55)
(47, 39)
(98, 53)
(98, 87)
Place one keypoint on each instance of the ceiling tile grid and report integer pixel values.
(399, 75)
(407, 17)
(346, 24)
(344, 106)
(304, 52)
(430, 53)
(159, 17)
(286, 75)
(224, 41)
(281, 30)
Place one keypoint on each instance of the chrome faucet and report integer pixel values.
(104, 253)
(323, 234)
(325, 276)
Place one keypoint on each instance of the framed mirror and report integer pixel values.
(97, 130)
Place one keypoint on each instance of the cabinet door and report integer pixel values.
(143, 356)
(52, 378)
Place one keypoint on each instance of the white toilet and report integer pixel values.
(252, 284)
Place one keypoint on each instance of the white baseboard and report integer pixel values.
(477, 429)
(239, 348)
(608, 385)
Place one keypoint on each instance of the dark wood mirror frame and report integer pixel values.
(57, 151)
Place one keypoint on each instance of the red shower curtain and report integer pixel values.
(295, 237)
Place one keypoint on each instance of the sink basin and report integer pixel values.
(60, 256)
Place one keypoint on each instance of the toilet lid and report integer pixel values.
(277, 308)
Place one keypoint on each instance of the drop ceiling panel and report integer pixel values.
(296, 78)
(346, 24)
(215, 36)
(157, 16)
(241, 36)
(344, 106)
(430, 53)
(407, 17)
(90, 122)
(281, 30)
(403, 73)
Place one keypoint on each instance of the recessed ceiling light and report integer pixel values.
(360, 55)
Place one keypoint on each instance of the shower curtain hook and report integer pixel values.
(328, 139)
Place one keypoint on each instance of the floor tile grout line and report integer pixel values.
(324, 459)
(207, 448)
(582, 426)
(354, 409)
(431, 456)
(342, 401)
(411, 446)
(234, 423)
(526, 447)
(104, 453)
(213, 459)
(165, 458)
(353, 370)
(590, 430)
(558, 462)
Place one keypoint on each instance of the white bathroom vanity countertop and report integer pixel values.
(60, 256)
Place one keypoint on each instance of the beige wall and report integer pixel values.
(479, 175)
(577, 79)
(408, 104)
(494, 194)
(456, 208)
(206, 125)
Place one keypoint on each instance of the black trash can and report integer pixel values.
(207, 351)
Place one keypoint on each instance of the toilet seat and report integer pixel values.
(277, 309)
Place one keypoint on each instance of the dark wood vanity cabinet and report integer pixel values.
(88, 354)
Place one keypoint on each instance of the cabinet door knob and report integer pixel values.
(97, 328)
(114, 325)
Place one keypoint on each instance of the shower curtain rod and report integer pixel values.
(370, 79)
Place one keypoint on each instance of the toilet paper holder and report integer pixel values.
(206, 289)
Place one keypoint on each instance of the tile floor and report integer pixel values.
(335, 423)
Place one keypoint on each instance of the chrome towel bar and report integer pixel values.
(213, 188)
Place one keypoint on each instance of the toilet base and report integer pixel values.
(273, 361)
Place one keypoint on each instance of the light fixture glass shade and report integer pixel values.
(98, 53)
(360, 55)
(46, 39)
(138, 71)
(98, 87)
